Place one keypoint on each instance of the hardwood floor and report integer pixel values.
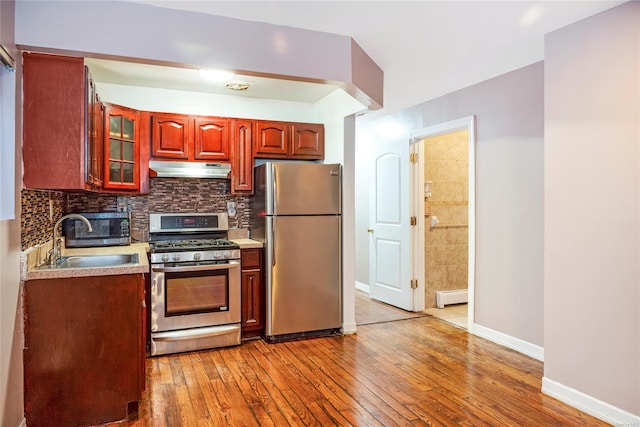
(414, 372)
(370, 311)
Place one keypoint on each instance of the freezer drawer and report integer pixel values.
(303, 274)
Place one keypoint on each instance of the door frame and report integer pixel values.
(417, 206)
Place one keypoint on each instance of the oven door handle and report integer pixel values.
(230, 265)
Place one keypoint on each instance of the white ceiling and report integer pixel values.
(425, 48)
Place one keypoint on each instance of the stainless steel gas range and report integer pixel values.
(195, 283)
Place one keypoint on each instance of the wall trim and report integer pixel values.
(362, 287)
(23, 423)
(589, 404)
(521, 346)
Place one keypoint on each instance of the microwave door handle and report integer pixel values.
(230, 265)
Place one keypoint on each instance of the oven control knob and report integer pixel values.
(176, 257)
(165, 258)
(217, 254)
(197, 256)
(227, 254)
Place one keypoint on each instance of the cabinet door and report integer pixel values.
(242, 158)
(171, 135)
(253, 297)
(122, 151)
(307, 141)
(271, 140)
(211, 138)
(82, 340)
(94, 151)
(54, 110)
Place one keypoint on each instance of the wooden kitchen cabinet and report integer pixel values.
(289, 140)
(271, 139)
(307, 141)
(253, 296)
(122, 148)
(54, 129)
(189, 138)
(171, 135)
(211, 140)
(95, 135)
(242, 157)
(84, 349)
(65, 144)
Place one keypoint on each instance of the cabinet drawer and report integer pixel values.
(251, 259)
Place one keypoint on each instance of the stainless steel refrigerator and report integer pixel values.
(297, 214)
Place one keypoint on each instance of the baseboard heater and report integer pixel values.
(456, 296)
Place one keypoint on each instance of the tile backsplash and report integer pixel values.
(41, 208)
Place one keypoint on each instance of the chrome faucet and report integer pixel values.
(55, 251)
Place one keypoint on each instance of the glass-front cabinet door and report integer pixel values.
(122, 159)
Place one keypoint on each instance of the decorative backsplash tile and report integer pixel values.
(40, 210)
(172, 195)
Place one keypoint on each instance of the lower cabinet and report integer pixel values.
(253, 297)
(84, 349)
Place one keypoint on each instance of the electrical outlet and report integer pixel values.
(231, 209)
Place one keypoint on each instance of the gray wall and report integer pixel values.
(509, 195)
(592, 212)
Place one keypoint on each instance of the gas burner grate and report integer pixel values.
(193, 244)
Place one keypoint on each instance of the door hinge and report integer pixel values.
(414, 220)
(414, 283)
(413, 157)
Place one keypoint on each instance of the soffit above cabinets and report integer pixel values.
(189, 79)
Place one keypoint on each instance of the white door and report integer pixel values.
(390, 249)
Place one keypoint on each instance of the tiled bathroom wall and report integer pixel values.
(446, 251)
(172, 195)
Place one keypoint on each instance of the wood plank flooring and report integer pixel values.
(370, 311)
(415, 372)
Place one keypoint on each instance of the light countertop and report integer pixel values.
(142, 266)
(34, 273)
(247, 243)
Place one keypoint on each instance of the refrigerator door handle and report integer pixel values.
(273, 243)
(274, 201)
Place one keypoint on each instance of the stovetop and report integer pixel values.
(192, 245)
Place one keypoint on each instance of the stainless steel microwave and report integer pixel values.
(109, 229)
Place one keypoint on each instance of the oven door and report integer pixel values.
(191, 296)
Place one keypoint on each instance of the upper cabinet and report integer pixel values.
(122, 148)
(73, 141)
(272, 140)
(170, 136)
(184, 138)
(70, 141)
(211, 140)
(242, 157)
(286, 140)
(54, 122)
(307, 141)
(95, 131)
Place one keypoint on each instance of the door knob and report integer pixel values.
(369, 230)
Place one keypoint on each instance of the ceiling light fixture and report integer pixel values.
(238, 85)
(216, 75)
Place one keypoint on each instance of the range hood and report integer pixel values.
(162, 169)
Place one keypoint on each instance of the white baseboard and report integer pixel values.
(589, 404)
(349, 329)
(362, 287)
(521, 346)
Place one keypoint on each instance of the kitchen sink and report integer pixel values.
(92, 261)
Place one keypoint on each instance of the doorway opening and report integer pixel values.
(443, 191)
